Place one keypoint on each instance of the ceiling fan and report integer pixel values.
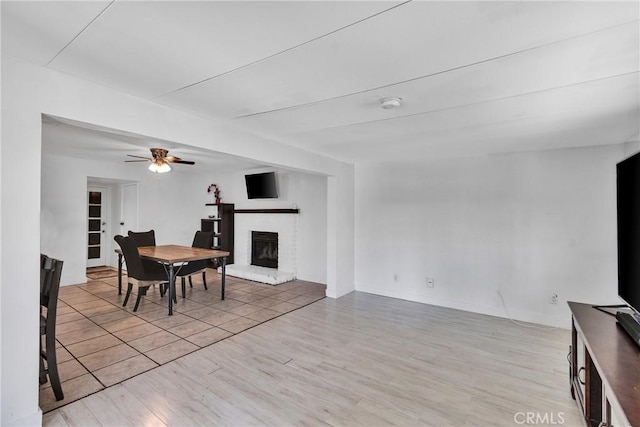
(160, 161)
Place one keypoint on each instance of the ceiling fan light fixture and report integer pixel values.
(390, 103)
(159, 167)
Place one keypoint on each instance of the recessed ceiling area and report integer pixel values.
(475, 77)
(63, 137)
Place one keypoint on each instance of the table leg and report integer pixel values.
(119, 274)
(224, 264)
(172, 288)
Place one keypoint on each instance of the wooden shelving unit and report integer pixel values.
(223, 227)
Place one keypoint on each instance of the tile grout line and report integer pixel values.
(163, 329)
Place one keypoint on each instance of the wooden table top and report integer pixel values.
(171, 254)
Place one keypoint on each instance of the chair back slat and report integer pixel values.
(50, 273)
(45, 273)
(203, 239)
(143, 238)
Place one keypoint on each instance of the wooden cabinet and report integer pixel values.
(222, 225)
(604, 368)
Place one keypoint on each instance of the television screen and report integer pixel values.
(628, 193)
(261, 186)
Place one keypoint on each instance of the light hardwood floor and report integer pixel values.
(100, 343)
(360, 360)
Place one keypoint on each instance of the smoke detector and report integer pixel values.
(390, 103)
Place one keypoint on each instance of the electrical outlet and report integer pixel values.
(553, 299)
(430, 282)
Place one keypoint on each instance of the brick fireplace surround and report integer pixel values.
(286, 225)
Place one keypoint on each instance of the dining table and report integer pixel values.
(173, 257)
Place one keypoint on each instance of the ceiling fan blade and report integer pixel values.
(173, 159)
(160, 157)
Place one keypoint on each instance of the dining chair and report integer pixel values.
(50, 271)
(143, 238)
(141, 274)
(202, 239)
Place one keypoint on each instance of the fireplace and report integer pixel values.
(264, 249)
(286, 227)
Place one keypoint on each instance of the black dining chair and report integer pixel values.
(143, 238)
(202, 239)
(50, 271)
(141, 274)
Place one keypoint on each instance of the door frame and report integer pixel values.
(105, 244)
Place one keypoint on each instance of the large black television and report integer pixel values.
(628, 196)
(261, 185)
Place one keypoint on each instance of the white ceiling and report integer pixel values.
(62, 137)
(476, 77)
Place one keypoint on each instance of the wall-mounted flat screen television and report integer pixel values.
(628, 196)
(261, 185)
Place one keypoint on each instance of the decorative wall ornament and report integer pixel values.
(213, 188)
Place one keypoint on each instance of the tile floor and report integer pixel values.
(100, 343)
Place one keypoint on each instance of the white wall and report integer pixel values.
(527, 225)
(171, 204)
(20, 190)
(28, 91)
(309, 193)
(340, 233)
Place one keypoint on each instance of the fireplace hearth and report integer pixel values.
(264, 249)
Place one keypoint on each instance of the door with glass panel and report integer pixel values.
(96, 226)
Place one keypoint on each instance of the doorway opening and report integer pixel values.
(112, 208)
